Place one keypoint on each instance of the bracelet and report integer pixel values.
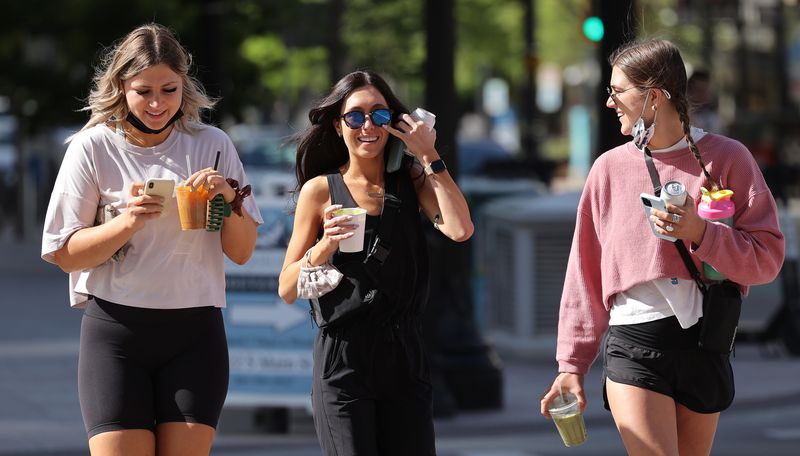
(236, 203)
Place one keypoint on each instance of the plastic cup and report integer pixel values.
(354, 243)
(427, 117)
(566, 414)
(192, 207)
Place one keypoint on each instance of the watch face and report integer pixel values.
(437, 166)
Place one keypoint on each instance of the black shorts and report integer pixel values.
(660, 356)
(142, 367)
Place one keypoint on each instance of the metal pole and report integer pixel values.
(461, 361)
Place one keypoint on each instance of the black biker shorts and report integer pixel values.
(660, 356)
(142, 367)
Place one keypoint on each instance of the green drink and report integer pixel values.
(566, 414)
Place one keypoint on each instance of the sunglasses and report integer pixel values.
(356, 119)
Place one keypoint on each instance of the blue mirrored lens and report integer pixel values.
(354, 119)
(381, 117)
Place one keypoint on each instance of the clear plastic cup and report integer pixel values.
(427, 117)
(192, 207)
(566, 414)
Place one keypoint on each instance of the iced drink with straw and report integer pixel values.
(566, 414)
(192, 206)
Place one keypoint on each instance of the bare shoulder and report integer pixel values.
(314, 195)
(316, 189)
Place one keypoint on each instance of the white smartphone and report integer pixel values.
(649, 202)
(160, 187)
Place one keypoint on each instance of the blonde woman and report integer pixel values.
(153, 367)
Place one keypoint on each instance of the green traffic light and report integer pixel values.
(593, 28)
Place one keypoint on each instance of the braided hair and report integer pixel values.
(657, 64)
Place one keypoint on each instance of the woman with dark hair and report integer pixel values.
(371, 391)
(664, 391)
(153, 365)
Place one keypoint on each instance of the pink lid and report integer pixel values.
(716, 209)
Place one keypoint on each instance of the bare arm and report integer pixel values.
(90, 247)
(439, 196)
(313, 210)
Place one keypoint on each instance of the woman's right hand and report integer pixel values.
(142, 208)
(334, 229)
(568, 382)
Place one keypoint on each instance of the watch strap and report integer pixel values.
(435, 167)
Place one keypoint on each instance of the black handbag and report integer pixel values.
(360, 287)
(722, 305)
(722, 301)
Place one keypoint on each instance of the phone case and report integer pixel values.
(394, 157)
(162, 188)
(396, 148)
(649, 202)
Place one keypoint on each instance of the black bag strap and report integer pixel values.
(383, 240)
(685, 256)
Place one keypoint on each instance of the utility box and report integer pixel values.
(525, 251)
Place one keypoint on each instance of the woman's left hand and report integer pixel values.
(681, 222)
(419, 140)
(214, 182)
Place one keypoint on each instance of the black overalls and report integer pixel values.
(371, 390)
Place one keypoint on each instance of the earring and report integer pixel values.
(654, 107)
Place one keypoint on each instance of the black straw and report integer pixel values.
(216, 161)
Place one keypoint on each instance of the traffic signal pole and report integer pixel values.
(618, 19)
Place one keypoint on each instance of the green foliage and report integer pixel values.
(387, 37)
(559, 38)
(489, 43)
(289, 72)
(266, 53)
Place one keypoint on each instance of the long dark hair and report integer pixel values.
(657, 64)
(319, 148)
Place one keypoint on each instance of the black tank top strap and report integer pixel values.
(338, 190)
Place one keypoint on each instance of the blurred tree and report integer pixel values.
(267, 55)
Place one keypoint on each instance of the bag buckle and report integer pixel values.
(378, 254)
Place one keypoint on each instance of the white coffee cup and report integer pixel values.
(354, 243)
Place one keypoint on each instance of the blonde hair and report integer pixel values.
(146, 46)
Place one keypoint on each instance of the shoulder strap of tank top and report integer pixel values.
(338, 190)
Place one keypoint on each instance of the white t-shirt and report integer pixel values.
(164, 267)
(663, 297)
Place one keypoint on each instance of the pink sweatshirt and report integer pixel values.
(614, 249)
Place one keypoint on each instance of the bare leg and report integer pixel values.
(696, 431)
(123, 443)
(646, 420)
(184, 439)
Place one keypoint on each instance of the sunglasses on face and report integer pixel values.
(356, 119)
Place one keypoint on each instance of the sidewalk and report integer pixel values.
(39, 413)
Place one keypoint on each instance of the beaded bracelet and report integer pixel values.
(236, 203)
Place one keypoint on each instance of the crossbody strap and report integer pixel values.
(383, 240)
(685, 256)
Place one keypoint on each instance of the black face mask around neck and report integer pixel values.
(139, 125)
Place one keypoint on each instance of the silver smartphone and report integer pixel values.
(160, 187)
(649, 202)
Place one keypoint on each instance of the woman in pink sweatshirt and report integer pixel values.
(664, 392)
